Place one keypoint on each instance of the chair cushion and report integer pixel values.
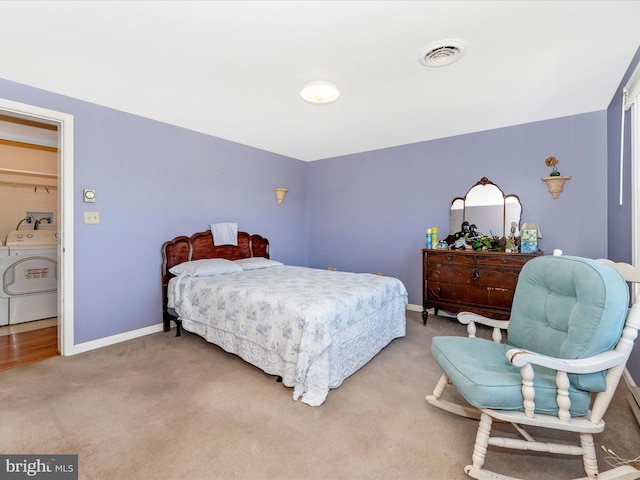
(569, 307)
(481, 373)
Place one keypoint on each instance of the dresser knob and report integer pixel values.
(475, 274)
(505, 261)
(448, 258)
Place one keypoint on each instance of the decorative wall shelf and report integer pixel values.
(280, 194)
(555, 184)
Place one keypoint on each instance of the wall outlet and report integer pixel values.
(91, 218)
(45, 218)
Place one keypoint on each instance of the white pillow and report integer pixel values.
(206, 267)
(254, 263)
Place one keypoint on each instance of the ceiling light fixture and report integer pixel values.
(320, 93)
(442, 53)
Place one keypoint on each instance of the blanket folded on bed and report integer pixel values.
(225, 233)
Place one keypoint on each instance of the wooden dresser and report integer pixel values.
(465, 280)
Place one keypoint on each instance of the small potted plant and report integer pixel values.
(552, 162)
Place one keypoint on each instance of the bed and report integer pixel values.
(311, 328)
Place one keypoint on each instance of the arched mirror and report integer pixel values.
(486, 206)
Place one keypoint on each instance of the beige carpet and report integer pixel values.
(161, 407)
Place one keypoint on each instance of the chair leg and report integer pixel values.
(589, 457)
(481, 445)
(462, 410)
(440, 386)
(483, 439)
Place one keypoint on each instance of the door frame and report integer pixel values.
(635, 195)
(64, 121)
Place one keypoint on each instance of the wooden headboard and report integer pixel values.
(200, 245)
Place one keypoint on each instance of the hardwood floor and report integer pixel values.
(22, 348)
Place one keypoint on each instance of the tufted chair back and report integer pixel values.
(569, 307)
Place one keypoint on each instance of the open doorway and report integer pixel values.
(28, 240)
(63, 124)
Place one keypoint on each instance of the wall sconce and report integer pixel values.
(555, 182)
(555, 185)
(280, 193)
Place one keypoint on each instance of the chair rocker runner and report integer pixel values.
(570, 334)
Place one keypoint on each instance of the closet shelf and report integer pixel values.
(35, 186)
(28, 173)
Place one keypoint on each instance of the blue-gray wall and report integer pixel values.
(369, 211)
(154, 182)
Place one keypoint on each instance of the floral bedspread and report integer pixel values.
(294, 312)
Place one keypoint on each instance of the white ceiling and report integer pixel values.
(234, 69)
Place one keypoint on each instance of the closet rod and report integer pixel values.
(35, 186)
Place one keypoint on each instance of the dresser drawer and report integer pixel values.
(506, 260)
(498, 277)
(448, 257)
(466, 275)
(452, 273)
(471, 296)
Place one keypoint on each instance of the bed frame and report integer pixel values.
(199, 246)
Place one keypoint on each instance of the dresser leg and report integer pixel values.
(425, 315)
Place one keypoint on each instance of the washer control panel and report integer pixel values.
(32, 238)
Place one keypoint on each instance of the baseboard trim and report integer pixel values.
(141, 332)
(634, 394)
(121, 337)
(628, 379)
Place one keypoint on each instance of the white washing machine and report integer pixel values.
(29, 274)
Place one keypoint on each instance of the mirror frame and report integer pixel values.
(506, 199)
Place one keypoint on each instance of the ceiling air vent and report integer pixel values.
(442, 53)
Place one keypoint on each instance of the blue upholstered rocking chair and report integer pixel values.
(569, 337)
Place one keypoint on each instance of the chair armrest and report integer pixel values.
(602, 361)
(466, 317)
(470, 319)
(526, 359)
